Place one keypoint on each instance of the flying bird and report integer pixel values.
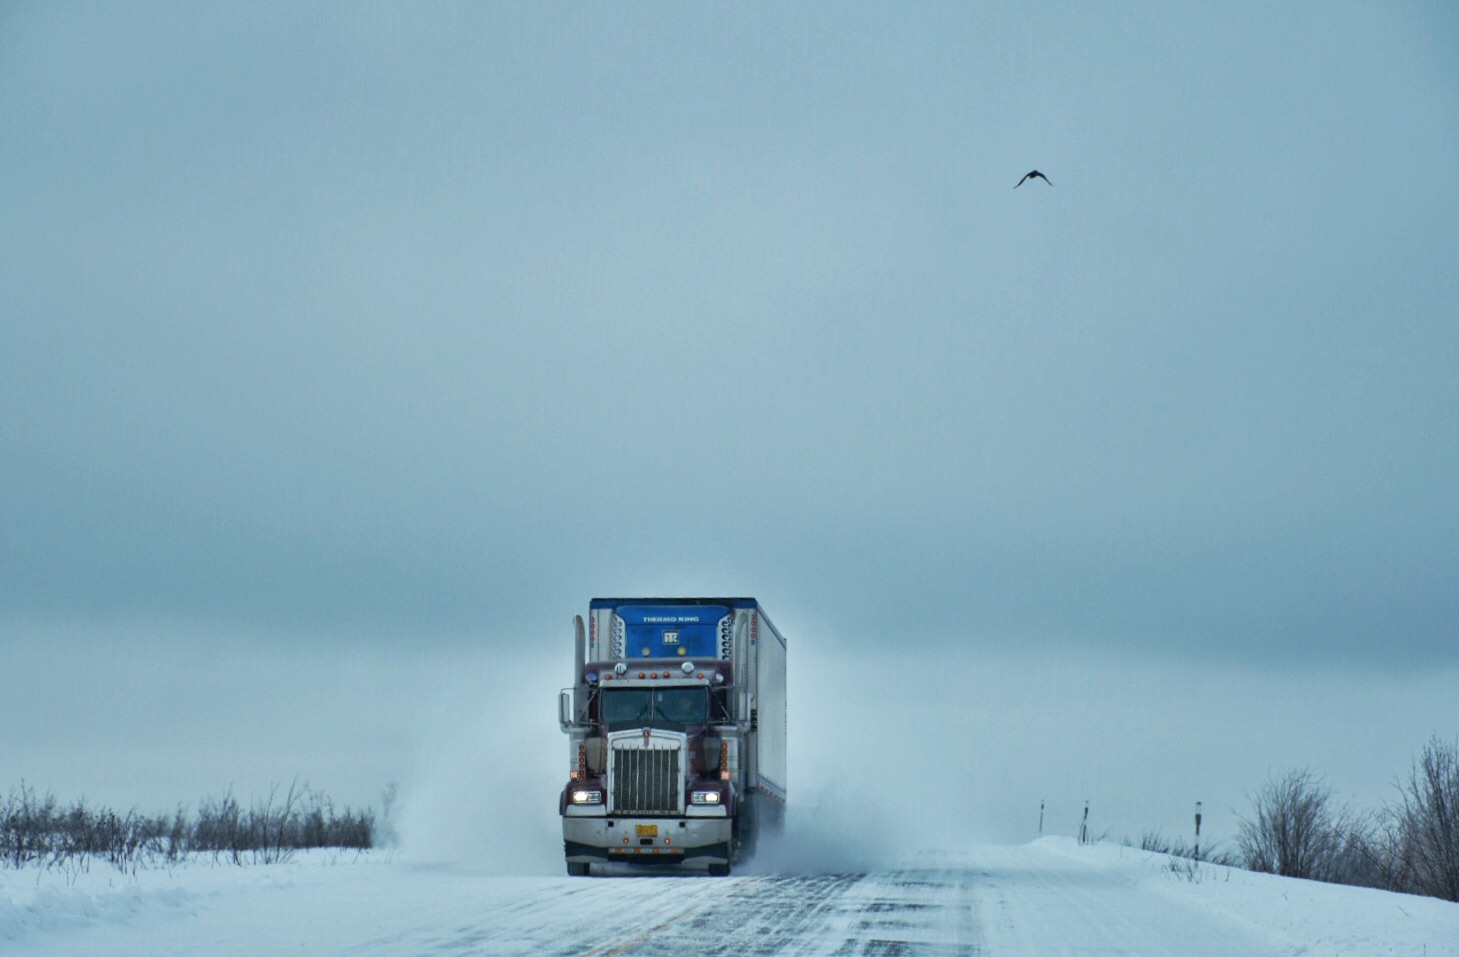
(1033, 174)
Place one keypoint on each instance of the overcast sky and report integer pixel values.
(354, 343)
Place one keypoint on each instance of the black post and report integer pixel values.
(1041, 819)
(1198, 831)
(1084, 826)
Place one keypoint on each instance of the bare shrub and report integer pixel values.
(1359, 856)
(279, 825)
(1175, 847)
(36, 830)
(1158, 843)
(26, 823)
(1295, 830)
(1423, 835)
(220, 829)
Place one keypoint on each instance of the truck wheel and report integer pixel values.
(577, 870)
(719, 870)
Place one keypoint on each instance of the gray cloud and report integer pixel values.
(346, 316)
(345, 352)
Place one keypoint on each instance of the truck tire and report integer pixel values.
(719, 870)
(577, 870)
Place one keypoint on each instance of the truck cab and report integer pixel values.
(676, 724)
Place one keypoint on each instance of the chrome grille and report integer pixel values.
(645, 780)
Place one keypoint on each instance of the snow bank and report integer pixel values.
(1301, 917)
(35, 902)
(32, 901)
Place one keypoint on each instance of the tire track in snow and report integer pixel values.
(916, 913)
(757, 916)
(907, 913)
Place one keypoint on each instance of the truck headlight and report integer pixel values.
(704, 797)
(587, 797)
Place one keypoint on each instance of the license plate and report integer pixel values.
(648, 830)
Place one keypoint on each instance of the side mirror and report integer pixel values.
(564, 709)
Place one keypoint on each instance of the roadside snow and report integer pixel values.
(46, 904)
(1302, 917)
(1048, 897)
(32, 901)
(45, 908)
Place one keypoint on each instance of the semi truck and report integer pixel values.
(676, 734)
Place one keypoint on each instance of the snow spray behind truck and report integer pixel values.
(676, 729)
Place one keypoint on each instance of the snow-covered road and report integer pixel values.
(1047, 898)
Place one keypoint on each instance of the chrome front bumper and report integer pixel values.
(698, 839)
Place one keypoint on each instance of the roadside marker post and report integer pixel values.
(1198, 831)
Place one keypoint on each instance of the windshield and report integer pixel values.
(655, 707)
